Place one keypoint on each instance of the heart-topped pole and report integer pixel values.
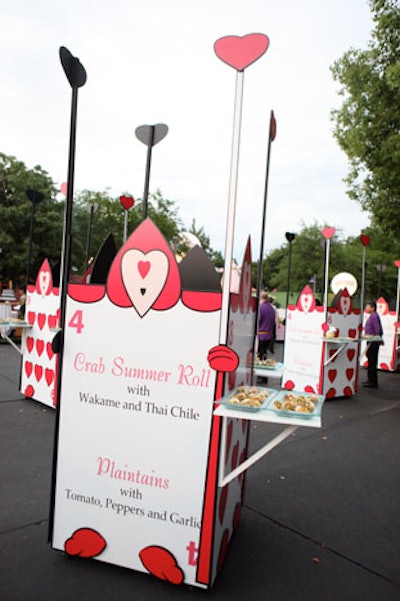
(327, 233)
(397, 264)
(127, 202)
(365, 240)
(76, 75)
(149, 135)
(239, 53)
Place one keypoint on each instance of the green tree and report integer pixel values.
(367, 126)
(15, 219)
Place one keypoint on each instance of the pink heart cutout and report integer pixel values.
(397, 263)
(328, 232)
(365, 240)
(143, 268)
(240, 52)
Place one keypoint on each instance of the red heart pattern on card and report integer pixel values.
(235, 455)
(349, 373)
(29, 391)
(144, 276)
(289, 385)
(162, 564)
(49, 375)
(52, 321)
(41, 320)
(347, 391)
(49, 350)
(28, 366)
(31, 315)
(38, 372)
(241, 52)
(332, 374)
(352, 332)
(350, 354)
(222, 503)
(30, 343)
(39, 346)
(331, 393)
(309, 388)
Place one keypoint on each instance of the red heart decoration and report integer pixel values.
(29, 343)
(162, 564)
(349, 373)
(49, 350)
(332, 374)
(328, 232)
(365, 240)
(325, 327)
(331, 393)
(38, 372)
(384, 366)
(309, 388)
(242, 456)
(41, 320)
(39, 346)
(289, 385)
(85, 542)
(31, 317)
(49, 375)
(28, 368)
(29, 391)
(352, 333)
(236, 515)
(397, 263)
(52, 321)
(348, 391)
(331, 353)
(241, 52)
(127, 202)
(350, 354)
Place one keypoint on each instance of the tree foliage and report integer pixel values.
(367, 126)
(15, 219)
(308, 262)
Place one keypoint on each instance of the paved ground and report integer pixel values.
(321, 519)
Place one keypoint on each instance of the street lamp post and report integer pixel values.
(35, 197)
(289, 237)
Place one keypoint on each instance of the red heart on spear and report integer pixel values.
(365, 240)
(127, 202)
(328, 232)
(397, 263)
(240, 52)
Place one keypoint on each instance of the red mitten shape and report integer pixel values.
(85, 542)
(222, 358)
(162, 564)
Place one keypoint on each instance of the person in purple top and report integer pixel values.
(373, 327)
(266, 322)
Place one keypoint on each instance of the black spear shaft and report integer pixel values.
(76, 76)
(271, 136)
(147, 175)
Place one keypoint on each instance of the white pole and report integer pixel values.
(230, 222)
(326, 277)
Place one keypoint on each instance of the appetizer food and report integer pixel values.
(248, 396)
(265, 362)
(298, 403)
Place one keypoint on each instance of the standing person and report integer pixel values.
(373, 327)
(266, 322)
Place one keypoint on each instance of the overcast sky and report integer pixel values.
(153, 62)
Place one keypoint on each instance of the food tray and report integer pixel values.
(225, 401)
(280, 396)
